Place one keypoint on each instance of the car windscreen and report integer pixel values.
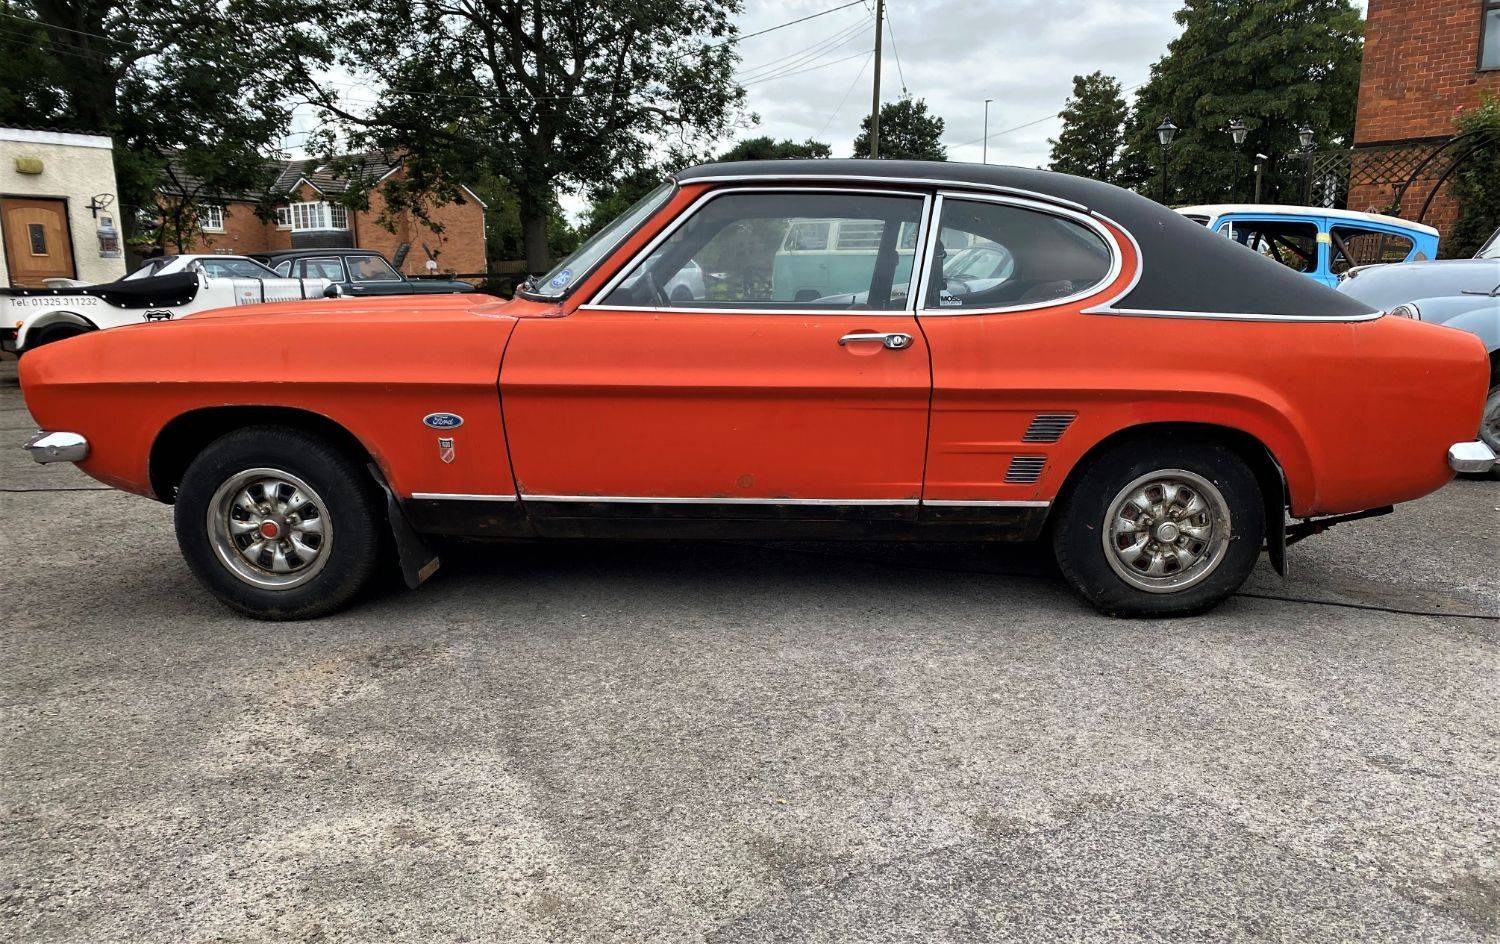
(567, 273)
(370, 269)
(235, 269)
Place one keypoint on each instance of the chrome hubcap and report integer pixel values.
(1166, 531)
(1489, 426)
(270, 528)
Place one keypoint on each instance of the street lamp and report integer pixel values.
(986, 158)
(1165, 132)
(1305, 135)
(1238, 130)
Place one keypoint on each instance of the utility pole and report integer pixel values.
(875, 97)
(986, 158)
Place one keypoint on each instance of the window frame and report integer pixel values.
(1111, 275)
(306, 260)
(924, 220)
(207, 211)
(1485, 8)
(322, 210)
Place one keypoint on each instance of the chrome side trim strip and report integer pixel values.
(657, 500)
(460, 496)
(1232, 316)
(939, 503)
(917, 181)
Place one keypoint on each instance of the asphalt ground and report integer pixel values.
(745, 742)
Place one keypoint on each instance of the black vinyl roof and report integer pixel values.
(279, 254)
(1185, 268)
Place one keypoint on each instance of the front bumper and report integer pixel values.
(57, 447)
(1470, 457)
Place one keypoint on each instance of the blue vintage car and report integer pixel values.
(1322, 243)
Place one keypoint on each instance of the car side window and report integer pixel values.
(782, 251)
(329, 268)
(1357, 246)
(371, 269)
(1293, 244)
(997, 255)
(284, 268)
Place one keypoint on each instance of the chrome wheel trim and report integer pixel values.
(269, 528)
(1166, 531)
(1489, 424)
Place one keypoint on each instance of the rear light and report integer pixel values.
(1406, 311)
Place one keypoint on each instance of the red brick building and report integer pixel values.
(309, 216)
(1424, 60)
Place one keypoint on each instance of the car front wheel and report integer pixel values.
(278, 524)
(1160, 529)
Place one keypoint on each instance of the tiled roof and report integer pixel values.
(282, 177)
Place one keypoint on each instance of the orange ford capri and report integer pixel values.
(872, 350)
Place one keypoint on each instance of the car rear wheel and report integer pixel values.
(1160, 529)
(278, 524)
(51, 334)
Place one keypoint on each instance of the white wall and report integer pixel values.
(76, 167)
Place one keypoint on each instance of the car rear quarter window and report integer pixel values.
(996, 255)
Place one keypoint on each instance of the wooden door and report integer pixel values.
(38, 244)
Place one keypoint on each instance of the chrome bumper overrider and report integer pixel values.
(57, 447)
(1470, 457)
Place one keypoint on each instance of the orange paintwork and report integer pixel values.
(676, 404)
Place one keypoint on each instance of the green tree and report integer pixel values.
(767, 148)
(1476, 183)
(205, 83)
(907, 132)
(1093, 129)
(552, 95)
(1279, 65)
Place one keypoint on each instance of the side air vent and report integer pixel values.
(1048, 427)
(1024, 470)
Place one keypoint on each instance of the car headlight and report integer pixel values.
(1408, 310)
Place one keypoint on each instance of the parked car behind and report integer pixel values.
(358, 272)
(1458, 293)
(1321, 243)
(1150, 399)
(165, 288)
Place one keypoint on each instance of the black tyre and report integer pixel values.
(52, 334)
(1160, 528)
(279, 524)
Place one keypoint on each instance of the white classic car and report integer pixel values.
(164, 288)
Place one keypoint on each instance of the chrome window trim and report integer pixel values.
(1116, 257)
(1108, 308)
(461, 496)
(934, 182)
(923, 221)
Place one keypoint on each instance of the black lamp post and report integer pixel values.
(1165, 132)
(1238, 131)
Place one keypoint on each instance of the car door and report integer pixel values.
(746, 402)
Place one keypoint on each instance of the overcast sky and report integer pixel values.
(814, 79)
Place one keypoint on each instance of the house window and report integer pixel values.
(211, 218)
(306, 216)
(284, 217)
(1489, 35)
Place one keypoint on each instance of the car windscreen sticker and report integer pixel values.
(562, 278)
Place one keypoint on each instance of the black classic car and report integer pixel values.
(355, 272)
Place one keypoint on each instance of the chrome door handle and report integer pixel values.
(895, 342)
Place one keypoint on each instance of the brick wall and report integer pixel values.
(1420, 68)
(460, 247)
(1420, 65)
